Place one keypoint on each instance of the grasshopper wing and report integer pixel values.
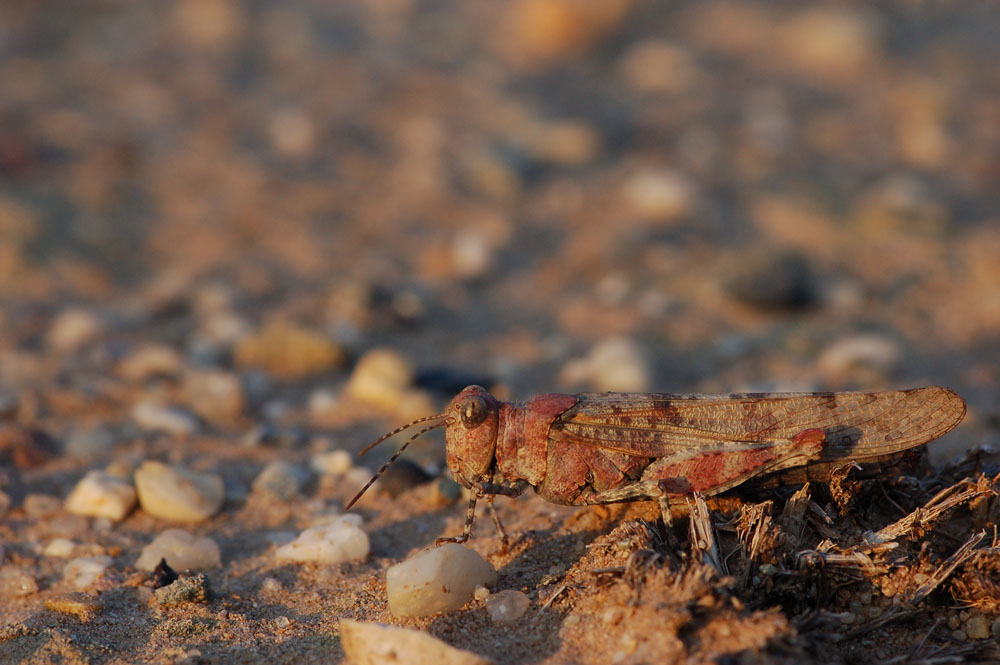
(856, 425)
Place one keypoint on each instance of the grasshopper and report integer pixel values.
(596, 448)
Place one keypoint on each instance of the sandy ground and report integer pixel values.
(536, 196)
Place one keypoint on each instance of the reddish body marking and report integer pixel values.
(522, 441)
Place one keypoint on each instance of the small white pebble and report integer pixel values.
(481, 593)
(16, 582)
(282, 622)
(380, 376)
(321, 402)
(660, 195)
(156, 417)
(149, 361)
(182, 551)
(177, 494)
(271, 585)
(100, 494)
(878, 352)
(84, 571)
(341, 541)
(471, 253)
(215, 395)
(441, 579)
(614, 364)
(72, 329)
(60, 547)
(507, 606)
(280, 479)
(333, 463)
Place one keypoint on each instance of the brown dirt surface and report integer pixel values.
(211, 212)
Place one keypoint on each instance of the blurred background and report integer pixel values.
(226, 206)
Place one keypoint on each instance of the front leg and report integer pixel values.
(470, 516)
(478, 491)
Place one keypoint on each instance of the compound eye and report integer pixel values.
(473, 413)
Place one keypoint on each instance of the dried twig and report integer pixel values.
(920, 520)
(555, 594)
(793, 517)
(821, 521)
(702, 535)
(855, 564)
(755, 530)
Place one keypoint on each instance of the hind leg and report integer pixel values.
(725, 465)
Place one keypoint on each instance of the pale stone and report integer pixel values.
(59, 547)
(271, 585)
(281, 480)
(289, 352)
(182, 550)
(72, 329)
(877, 353)
(150, 361)
(507, 606)
(322, 405)
(333, 463)
(156, 417)
(828, 44)
(614, 364)
(472, 254)
(100, 494)
(977, 628)
(177, 494)
(441, 579)
(337, 542)
(84, 571)
(16, 582)
(215, 395)
(380, 378)
(378, 644)
(292, 133)
(660, 195)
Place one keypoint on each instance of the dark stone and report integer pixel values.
(402, 476)
(778, 281)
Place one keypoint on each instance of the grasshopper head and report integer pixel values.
(471, 433)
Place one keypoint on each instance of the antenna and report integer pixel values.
(400, 429)
(397, 453)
